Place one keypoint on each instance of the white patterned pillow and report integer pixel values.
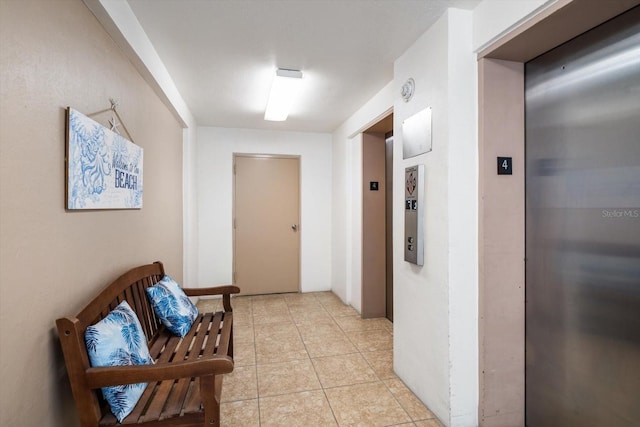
(118, 340)
(172, 306)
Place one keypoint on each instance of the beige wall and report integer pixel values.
(501, 207)
(54, 54)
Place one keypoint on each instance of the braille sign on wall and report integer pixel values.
(505, 166)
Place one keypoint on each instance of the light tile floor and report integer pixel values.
(310, 360)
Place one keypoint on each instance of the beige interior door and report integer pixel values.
(266, 224)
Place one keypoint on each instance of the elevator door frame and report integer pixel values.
(377, 225)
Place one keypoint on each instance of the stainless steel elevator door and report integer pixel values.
(583, 230)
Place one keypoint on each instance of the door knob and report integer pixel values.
(294, 227)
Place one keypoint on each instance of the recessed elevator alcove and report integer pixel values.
(377, 220)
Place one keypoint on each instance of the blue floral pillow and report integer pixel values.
(172, 306)
(118, 340)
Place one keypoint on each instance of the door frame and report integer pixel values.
(501, 256)
(233, 207)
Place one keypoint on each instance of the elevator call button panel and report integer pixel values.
(413, 214)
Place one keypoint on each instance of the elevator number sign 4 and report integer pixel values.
(505, 166)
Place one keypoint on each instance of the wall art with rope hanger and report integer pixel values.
(103, 168)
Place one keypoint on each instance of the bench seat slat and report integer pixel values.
(193, 339)
(192, 419)
(176, 400)
(193, 402)
(169, 354)
(225, 335)
(160, 341)
(137, 412)
(159, 399)
(178, 396)
(210, 347)
(195, 349)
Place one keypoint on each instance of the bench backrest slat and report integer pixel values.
(129, 287)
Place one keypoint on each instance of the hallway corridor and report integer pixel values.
(309, 360)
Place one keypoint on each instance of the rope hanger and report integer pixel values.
(115, 121)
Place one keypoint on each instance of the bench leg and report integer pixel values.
(210, 401)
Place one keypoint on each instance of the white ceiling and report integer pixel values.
(222, 54)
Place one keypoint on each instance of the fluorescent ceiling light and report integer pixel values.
(284, 90)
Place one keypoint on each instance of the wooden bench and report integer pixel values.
(184, 384)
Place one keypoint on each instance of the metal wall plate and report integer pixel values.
(416, 134)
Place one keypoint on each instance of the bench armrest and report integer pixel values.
(117, 375)
(216, 290)
(225, 291)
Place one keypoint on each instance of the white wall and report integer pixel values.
(435, 306)
(463, 220)
(215, 148)
(421, 294)
(435, 328)
(190, 207)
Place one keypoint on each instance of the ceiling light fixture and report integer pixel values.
(284, 90)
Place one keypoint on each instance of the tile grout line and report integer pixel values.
(399, 403)
(379, 380)
(315, 371)
(255, 351)
(359, 352)
(324, 391)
